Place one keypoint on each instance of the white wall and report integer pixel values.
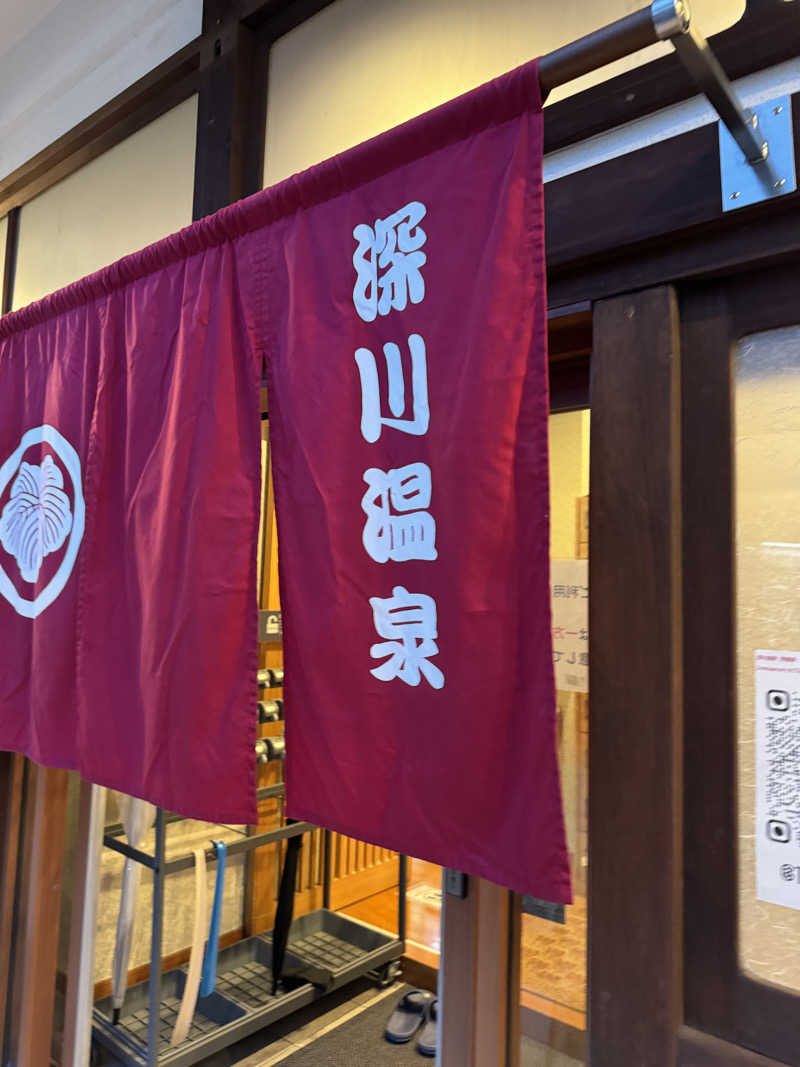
(360, 67)
(569, 478)
(134, 194)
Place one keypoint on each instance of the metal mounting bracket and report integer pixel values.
(746, 183)
(756, 146)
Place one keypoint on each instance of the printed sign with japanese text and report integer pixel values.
(777, 830)
(569, 586)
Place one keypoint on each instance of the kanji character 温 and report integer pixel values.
(409, 535)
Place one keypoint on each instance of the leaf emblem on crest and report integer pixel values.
(37, 519)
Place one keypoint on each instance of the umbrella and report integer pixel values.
(192, 987)
(283, 915)
(209, 978)
(137, 818)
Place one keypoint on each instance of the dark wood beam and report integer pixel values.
(654, 216)
(9, 262)
(635, 998)
(227, 110)
(277, 17)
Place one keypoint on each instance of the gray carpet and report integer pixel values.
(360, 1043)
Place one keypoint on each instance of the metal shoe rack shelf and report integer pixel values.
(332, 949)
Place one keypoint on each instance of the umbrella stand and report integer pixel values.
(322, 951)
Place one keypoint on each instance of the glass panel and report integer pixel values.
(767, 447)
(553, 958)
(358, 68)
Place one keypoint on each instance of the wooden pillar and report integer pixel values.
(231, 110)
(11, 776)
(9, 265)
(635, 794)
(38, 918)
(83, 927)
(479, 978)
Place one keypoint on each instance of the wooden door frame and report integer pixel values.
(732, 1007)
(635, 909)
(635, 683)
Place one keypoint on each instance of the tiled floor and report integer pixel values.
(553, 963)
(553, 959)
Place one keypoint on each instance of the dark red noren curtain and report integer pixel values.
(397, 293)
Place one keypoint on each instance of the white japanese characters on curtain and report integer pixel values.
(399, 527)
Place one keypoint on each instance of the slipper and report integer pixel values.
(407, 1017)
(426, 1046)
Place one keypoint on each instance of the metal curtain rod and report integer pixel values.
(663, 20)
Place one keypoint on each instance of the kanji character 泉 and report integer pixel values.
(371, 418)
(407, 621)
(392, 246)
(411, 535)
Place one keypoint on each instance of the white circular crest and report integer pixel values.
(38, 489)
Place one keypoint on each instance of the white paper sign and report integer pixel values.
(778, 777)
(569, 590)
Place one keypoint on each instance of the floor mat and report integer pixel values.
(359, 1042)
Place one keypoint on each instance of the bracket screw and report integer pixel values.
(734, 196)
(777, 110)
(779, 183)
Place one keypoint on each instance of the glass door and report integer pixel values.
(554, 938)
(742, 676)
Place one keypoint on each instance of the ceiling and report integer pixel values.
(18, 17)
(61, 60)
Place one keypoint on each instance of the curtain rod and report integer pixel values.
(663, 20)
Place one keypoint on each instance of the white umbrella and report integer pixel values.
(137, 817)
